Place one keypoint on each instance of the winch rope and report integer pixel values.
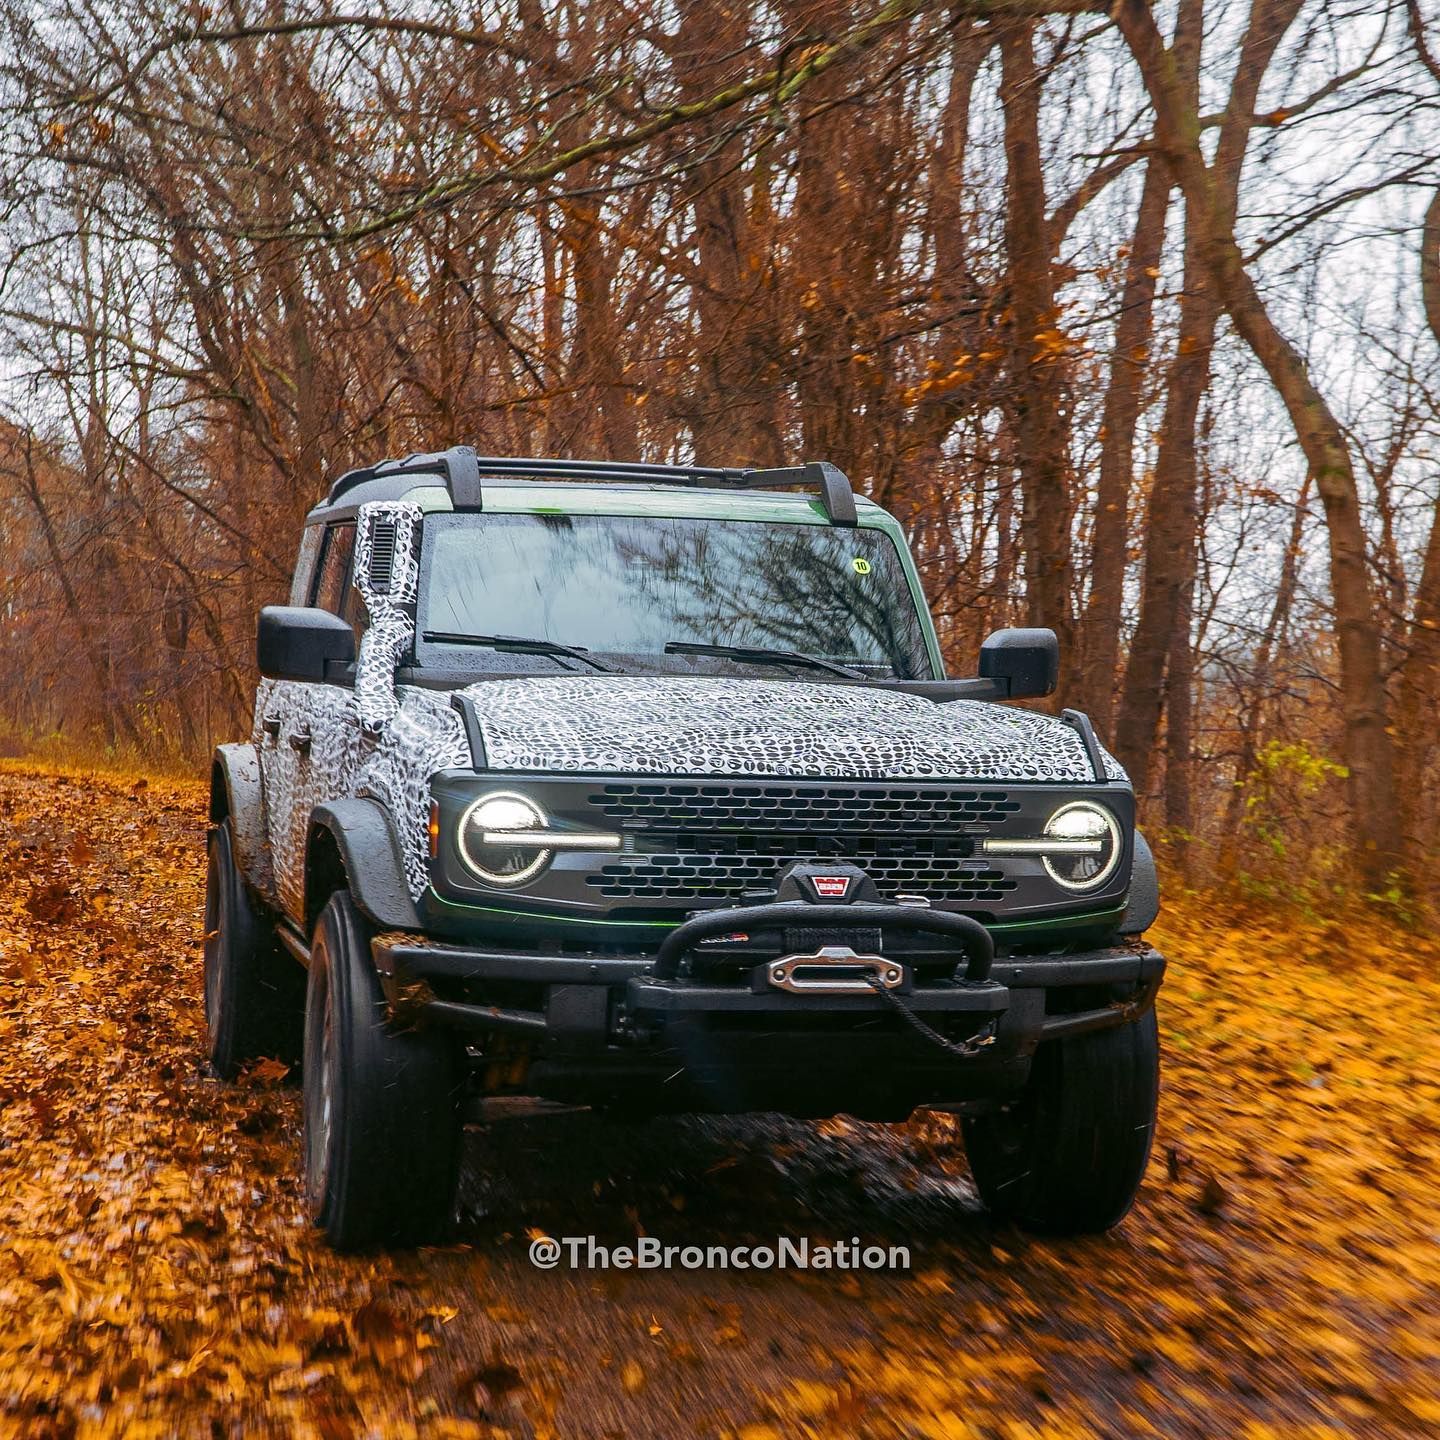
(963, 1050)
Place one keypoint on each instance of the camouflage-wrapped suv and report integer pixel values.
(642, 787)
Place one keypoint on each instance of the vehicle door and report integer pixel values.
(309, 731)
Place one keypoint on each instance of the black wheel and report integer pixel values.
(254, 992)
(382, 1121)
(1067, 1158)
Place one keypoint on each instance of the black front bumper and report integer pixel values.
(405, 959)
(637, 1030)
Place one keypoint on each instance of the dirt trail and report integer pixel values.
(1280, 1276)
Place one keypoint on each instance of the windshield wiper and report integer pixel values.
(758, 655)
(519, 645)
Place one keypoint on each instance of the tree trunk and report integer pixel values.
(1170, 532)
(1037, 368)
(1252, 717)
(1180, 724)
(1369, 747)
(727, 410)
(601, 419)
(1170, 518)
(1418, 682)
(1099, 636)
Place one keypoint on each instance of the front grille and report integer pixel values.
(693, 842)
(704, 877)
(671, 805)
(716, 840)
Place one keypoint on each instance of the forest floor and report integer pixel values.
(1280, 1275)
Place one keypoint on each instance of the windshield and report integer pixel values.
(626, 586)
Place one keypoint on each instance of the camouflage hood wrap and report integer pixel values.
(698, 726)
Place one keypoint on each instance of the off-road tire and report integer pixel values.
(1067, 1158)
(254, 992)
(382, 1121)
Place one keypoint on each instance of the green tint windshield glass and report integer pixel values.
(626, 585)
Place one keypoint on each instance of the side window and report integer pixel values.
(332, 582)
(305, 565)
(352, 608)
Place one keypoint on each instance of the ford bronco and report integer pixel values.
(642, 787)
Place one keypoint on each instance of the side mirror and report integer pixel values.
(1027, 660)
(296, 642)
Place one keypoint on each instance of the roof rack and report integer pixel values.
(461, 468)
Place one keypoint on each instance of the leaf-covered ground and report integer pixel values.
(1280, 1276)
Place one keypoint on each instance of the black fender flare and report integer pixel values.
(1144, 902)
(374, 866)
(236, 793)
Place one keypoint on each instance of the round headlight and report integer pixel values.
(483, 827)
(1091, 835)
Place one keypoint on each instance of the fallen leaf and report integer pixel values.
(1212, 1197)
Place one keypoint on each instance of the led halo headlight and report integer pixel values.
(1090, 868)
(482, 825)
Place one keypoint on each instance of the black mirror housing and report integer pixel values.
(298, 642)
(1027, 660)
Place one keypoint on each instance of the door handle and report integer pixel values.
(271, 725)
(300, 742)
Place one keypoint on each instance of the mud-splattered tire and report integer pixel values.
(1067, 1158)
(254, 992)
(382, 1121)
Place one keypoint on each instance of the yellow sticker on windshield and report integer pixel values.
(862, 565)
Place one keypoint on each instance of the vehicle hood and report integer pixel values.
(707, 726)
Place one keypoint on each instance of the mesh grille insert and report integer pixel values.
(697, 806)
(723, 877)
(715, 840)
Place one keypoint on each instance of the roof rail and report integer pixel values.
(832, 483)
(457, 466)
(461, 470)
